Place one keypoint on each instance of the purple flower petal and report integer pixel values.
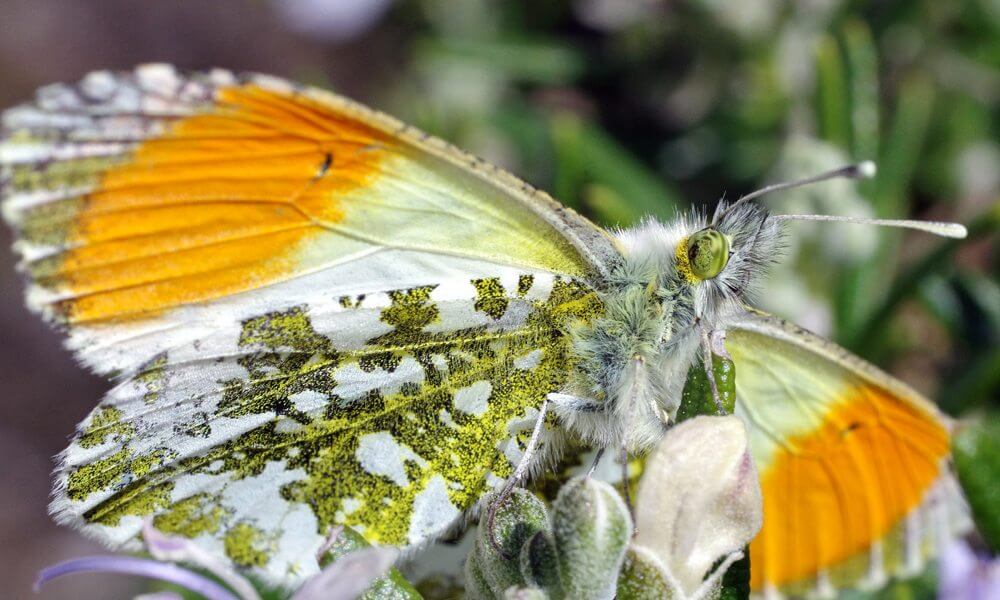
(331, 20)
(965, 576)
(348, 576)
(160, 544)
(179, 549)
(137, 566)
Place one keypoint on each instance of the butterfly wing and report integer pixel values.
(317, 315)
(850, 460)
(392, 413)
(140, 193)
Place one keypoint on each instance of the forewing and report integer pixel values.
(852, 461)
(135, 194)
(396, 434)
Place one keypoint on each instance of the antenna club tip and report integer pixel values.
(957, 231)
(866, 169)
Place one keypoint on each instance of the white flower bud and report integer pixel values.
(699, 500)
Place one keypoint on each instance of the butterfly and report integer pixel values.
(317, 315)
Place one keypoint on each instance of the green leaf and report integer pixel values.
(697, 399)
(864, 285)
(901, 152)
(540, 565)
(976, 385)
(529, 60)
(570, 160)
(392, 586)
(476, 585)
(862, 66)
(833, 110)
(642, 579)
(607, 205)
(736, 581)
(976, 448)
(869, 337)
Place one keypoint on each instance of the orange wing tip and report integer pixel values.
(830, 495)
(193, 188)
(903, 553)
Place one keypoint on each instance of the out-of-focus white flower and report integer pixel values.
(331, 20)
(613, 15)
(813, 247)
(788, 295)
(805, 156)
(699, 500)
(978, 170)
(797, 76)
(750, 18)
(516, 593)
(965, 576)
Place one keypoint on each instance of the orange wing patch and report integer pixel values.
(830, 494)
(216, 205)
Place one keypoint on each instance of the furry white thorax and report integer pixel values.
(633, 361)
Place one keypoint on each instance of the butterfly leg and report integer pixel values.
(519, 471)
(706, 354)
(569, 402)
(626, 492)
(597, 460)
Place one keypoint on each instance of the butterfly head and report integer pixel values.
(716, 262)
(742, 238)
(721, 260)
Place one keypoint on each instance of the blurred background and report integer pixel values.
(619, 108)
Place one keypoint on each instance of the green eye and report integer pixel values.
(708, 253)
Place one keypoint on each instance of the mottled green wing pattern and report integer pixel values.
(391, 412)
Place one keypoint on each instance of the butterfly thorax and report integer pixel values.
(632, 361)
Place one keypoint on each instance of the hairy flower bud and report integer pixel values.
(699, 500)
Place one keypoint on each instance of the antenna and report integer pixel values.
(861, 170)
(951, 230)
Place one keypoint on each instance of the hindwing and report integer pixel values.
(852, 462)
(258, 453)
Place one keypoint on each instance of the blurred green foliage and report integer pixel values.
(977, 461)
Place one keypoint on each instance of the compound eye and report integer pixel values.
(708, 253)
